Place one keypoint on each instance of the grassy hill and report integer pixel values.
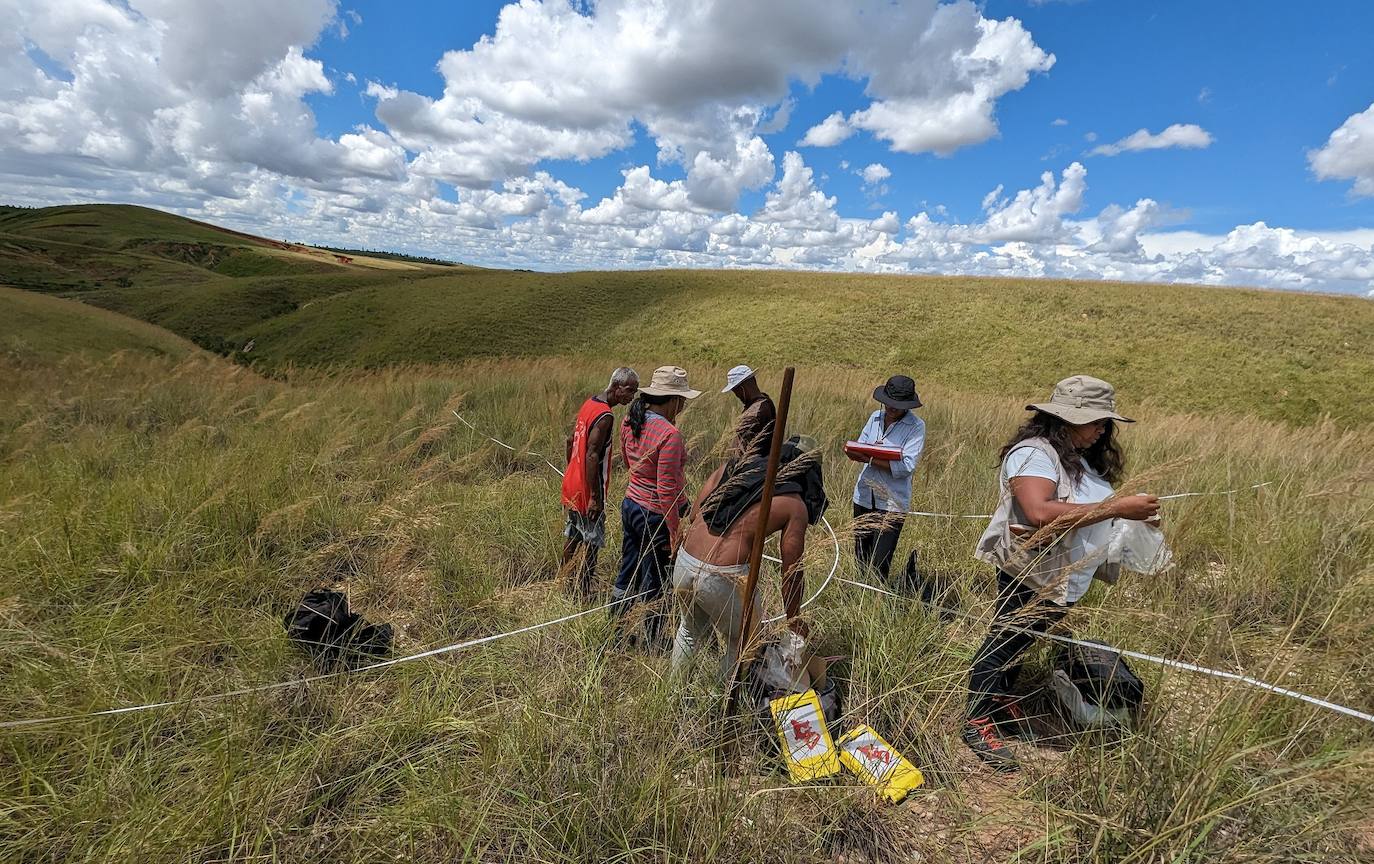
(37, 327)
(162, 508)
(1271, 355)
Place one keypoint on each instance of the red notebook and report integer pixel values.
(872, 451)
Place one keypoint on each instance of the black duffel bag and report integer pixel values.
(1102, 676)
(325, 628)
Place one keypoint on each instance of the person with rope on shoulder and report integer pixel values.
(587, 478)
(653, 450)
(1048, 540)
(713, 562)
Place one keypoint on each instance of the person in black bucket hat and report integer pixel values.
(882, 495)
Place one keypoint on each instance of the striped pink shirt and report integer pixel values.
(656, 464)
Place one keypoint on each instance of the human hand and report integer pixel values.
(1138, 508)
(799, 626)
(594, 511)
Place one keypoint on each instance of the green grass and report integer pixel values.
(157, 517)
(38, 329)
(1180, 348)
(393, 256)
(1211, 352)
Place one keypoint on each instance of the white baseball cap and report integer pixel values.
(736, 377)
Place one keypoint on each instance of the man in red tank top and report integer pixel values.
(588, 477)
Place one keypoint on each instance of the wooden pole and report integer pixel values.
(747, 623)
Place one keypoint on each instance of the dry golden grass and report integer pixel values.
(157, 519)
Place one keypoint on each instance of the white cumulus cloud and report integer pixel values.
(1349, 153)
(1188, 136)
(875, 172)
(827, 133)
(203, 107)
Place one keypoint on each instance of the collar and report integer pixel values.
(909, 418)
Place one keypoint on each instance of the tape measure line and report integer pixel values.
(507, 446)
(925, 513)
(1147, 658)
(263, 688)
(1225, 492)
(833, 568)
(1172, 497)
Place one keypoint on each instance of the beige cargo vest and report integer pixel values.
(1047, 563)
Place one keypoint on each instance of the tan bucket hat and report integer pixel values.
(670, 381)
(1081, 399)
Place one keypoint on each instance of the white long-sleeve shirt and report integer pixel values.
(890, 490)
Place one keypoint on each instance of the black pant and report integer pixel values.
(875, 540)
(998, 660)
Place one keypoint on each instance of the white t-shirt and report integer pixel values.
(1088, 544)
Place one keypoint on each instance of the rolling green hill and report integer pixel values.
(162, 508)
(1209, 351)
(33, 326)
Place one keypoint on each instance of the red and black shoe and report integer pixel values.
(1011, 719)
(980, 734)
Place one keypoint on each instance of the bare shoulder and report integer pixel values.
(787, 508)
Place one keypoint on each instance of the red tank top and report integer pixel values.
(577, 486)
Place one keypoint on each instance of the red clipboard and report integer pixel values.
(864, 452)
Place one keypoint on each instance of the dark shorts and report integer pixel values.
(585, 530)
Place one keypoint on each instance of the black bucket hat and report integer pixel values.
(898, 392)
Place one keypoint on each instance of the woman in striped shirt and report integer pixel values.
(652, 449)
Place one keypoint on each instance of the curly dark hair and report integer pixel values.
(1105, 456)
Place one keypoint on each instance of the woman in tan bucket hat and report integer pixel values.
(1058, 471)
(652, 449)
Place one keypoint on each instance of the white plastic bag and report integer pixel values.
(1084, 714)
(1139, 547)
(784, 664)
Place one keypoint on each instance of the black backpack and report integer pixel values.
(1102, 676)
(323, 626)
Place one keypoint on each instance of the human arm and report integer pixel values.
(1037, 499)
(567, 449)
(911, 454)
(672, 481)
(793, 548)
(597, 438)
(870, 434)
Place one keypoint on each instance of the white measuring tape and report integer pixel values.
(834, 567)
(433, 652)
(1172, 497)
(1148, 658)
(507, 446)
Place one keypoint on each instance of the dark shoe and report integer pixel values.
(980, 734)
(1010, 719)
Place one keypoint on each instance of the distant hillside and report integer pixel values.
(100, 246)
(34, 326)
(1181, 348)
(390, 256)
(1178, 348)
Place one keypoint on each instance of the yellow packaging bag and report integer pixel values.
(864, 752)
(806, 742)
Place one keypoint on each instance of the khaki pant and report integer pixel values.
(709, 596)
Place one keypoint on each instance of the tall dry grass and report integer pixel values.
(156, 520)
